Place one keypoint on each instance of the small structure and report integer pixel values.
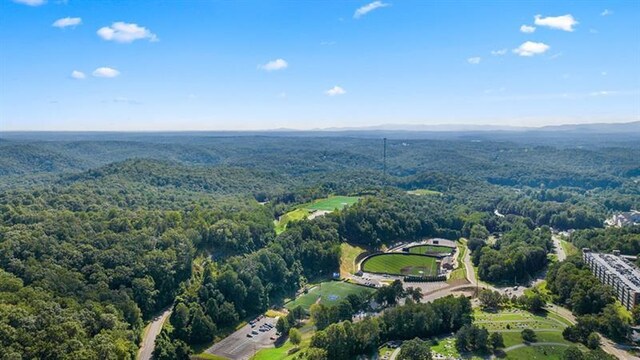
(441, 242)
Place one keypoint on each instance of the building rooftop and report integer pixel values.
(628, 273)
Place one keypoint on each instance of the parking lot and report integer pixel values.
(246, 341)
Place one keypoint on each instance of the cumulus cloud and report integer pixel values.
(531, 48)
(125, 33)
(105, 72)
(499, 52)
(336, 90)
(474, 60)
(527, 29)
(564, 22)
(78, 75)
(66, 22)
(277, 64)
(606, 12)
(364, 10)
(30, 2)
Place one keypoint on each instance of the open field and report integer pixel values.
(303, 211)
(331, 203)
(348, 256)
(423, 192)
(401, 264)
(430, 249)
(328, 293)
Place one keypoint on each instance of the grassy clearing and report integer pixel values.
(461, 271)
(282, 352)
(329, 293)
(303, 211)
(548, 352)
(401, 264)
(430, 249)
(348, 255)
(569, 248)
(295, 215)
(331, 203)
(423, 192)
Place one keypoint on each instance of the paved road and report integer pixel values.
(238, 346)
(394, 354)
(151, 332)
(559, 249)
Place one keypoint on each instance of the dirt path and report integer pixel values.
(150, 333)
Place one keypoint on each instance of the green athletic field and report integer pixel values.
(331, 203)
(423, 249)
(329, 293)
(401, 264)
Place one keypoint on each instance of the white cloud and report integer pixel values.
(527, 29)
(105, 72)
(499, 52)
(30, 2)
(564, 22)
(78, 75)
(474, 60)
(336, 90)
(606, 12)
(531, 48)
(277, 64)
(68, 21)
(125, 33)
(364, 10)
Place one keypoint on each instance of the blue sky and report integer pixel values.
(212, 65)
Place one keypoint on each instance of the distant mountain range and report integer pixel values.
(589, 128)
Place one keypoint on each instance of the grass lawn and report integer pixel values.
(348, 254)
(569, 248)
(282, 352)
(331, 203)
(207, 356)
(516, 320)
(424, 249)
(401, 264)
(295, 215)
(461, 271)
(329, 293)
(547, 352)
(423, 192)
(303, 211)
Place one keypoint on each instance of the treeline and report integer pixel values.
(573, 286)
(104, 259)
(516, 256)
(625, 239)
(345, 340)
(246, 285)
(388, 218)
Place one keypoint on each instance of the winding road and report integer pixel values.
(150, 333)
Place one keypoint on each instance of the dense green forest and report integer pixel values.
(100, 232)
